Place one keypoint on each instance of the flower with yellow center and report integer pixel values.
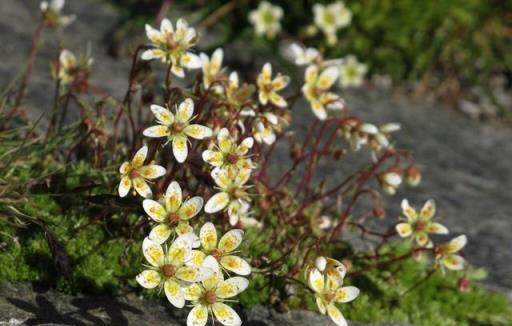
(381, 138)
(264, 128)
(266, 19)
(52, 13)
(208, 297)
(316, 90)
(222, 250)
(177, 128)
(171, 46)
(167, 270)
(418, 226)
(269, 87)
(235, 95)
(446, 254)
(70, 69)
(330, 18)
(171, 213)
(328, 293)
(233, 194)
(352, 72)
(333, 269)
(227, 154)
(212, 68)
(135, 173)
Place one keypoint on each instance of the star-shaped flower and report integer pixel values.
(171, 213)
(446, 254)
(208, 297)
(418, 226)
(171, 46)
(135, 173)
(316, 90)
(232, 193)
(328, 293)
(352, 72)
(167, 270)
(177, 128)
(69, 69)
(330, 18)
(269, 87)
(266, 19)
(222, 250)
(227, 154)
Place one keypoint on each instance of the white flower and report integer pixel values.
(177, 128)
(227, 154)
(269, 87)
(167, 270)
(418, 226)
(390, 181)
(237, 96)
(446, 254)
(208, 297)
(316, 90)
(70, 69)
(222, 250)
(211, 68)
(52, 13)
(171, 46)
(328, 293)
(135, 173)
(330, 18)
(232, 195)
(352, 72)
(266, 19)
(301, 55)
(358, 133)
(380, 139)
(171, 213)
(264, 128)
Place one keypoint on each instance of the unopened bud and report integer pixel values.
(379, 212)
(296, 151)
(463, 283)
(412, 176)
(320, 263)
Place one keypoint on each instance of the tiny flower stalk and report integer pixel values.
(177, 128)
(135, 174)
(419, 226)
(171, 213)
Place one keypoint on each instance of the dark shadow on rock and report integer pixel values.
(114, 309)
(44, 311)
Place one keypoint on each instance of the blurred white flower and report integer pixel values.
(52, 13)
(266, 19)
(352, 72)
(330, 18)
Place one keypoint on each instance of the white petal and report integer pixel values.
(226, 315)
(208, 236)
(316, 280)
(197, 316)
(231, 287)
(216, 203)
(174, 293)
(162, 114)
(231, 240)
(346, 294)
(185, 110)
(153, 252)
(198, 132)
(154, 209)
(149, 279)
(160, 233)
(236, 265)
(336, 315)
(124, 186)
(174, 191)
(142, 187)
(166, 26)
(179, 148)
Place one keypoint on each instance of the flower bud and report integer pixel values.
(320, 263)
(379, 212)
(463, 283)
(412, 176)
(296, 151)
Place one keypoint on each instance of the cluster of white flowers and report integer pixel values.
(418, 226)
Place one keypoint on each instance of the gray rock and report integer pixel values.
(23, 304)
